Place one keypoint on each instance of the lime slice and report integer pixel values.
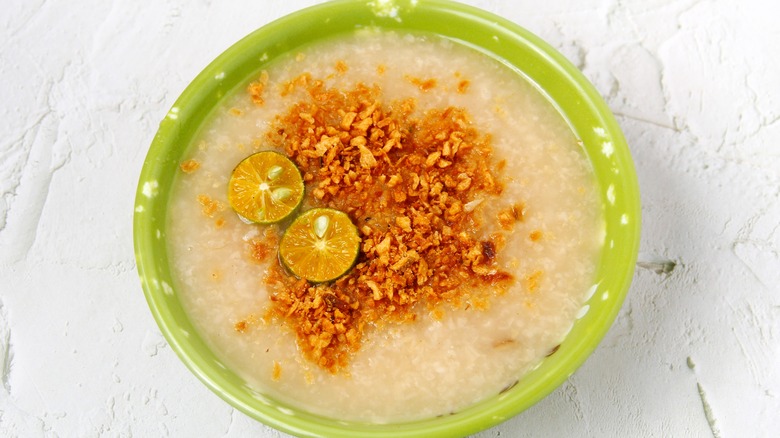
(321, 245)
(265, 187)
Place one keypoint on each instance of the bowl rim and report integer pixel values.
(550, 72)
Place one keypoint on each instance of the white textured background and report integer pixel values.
(694, 84)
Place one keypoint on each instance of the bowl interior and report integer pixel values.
(556, 78)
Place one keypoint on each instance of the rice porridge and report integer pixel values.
(478, 211)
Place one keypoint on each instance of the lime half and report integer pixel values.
(265, 187)
(321, 245)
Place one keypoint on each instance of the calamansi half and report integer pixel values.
(320, 245)
(265, 187)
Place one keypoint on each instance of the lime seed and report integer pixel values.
(281, 194)
(274, 172)
(321, 226)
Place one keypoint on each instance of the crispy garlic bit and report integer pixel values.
(412, 184)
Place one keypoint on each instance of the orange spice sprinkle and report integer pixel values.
(422, 84)
(504, 342)
(341, 67)
(277, 372)
(241, 326)
(535, 235)
(301, 81)
(532, 281)
(259, 250)
(463, 86)
(236, 112)
(508, 217)
(189, 166)
(256, 88)
(261, 247)
(209, 205)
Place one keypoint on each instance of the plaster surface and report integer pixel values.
(694, 84)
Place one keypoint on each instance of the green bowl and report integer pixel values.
(554, 76)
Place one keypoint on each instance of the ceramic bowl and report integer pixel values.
(555, 77)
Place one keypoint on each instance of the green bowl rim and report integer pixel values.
(554, 76)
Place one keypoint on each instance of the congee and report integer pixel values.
(477, 217)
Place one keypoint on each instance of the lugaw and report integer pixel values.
(415, 351)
